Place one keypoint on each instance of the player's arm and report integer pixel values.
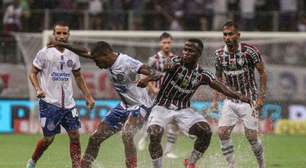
(83, 87)
(262, 84)
(150, 73)
(216, 95)
(79, 50)
(220, 87)
(35, 82)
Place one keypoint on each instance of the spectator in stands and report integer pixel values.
(288, 15)
(220, 10)
(302, 24)
(248, 14)
(26, 13)
(95, 9)
(11, 18)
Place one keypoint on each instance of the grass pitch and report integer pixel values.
(281, 151)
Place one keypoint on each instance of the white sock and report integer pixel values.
(228, 152)
(257, 149)
(171, 139)
(157, 163)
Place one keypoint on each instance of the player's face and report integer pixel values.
(231, 36)
(103, 61)
(190, 53)
(166, 44)
(61, 33)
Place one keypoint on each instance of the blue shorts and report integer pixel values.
(52, 117)
(116, 118)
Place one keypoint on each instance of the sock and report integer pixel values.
(131, 162)
(157, 163)
(75, 154)
(195, 156)
(228, 152)
(257, 149)
(41, 146)
(171, 139)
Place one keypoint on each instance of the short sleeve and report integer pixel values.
(77, 64)
(207, 77)
(134, 64)
(40, 59)
(255, 55)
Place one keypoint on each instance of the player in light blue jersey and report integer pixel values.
(135, 101)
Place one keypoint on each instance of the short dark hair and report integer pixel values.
(164, 35)
(101, 47)
(199, 43)
(60, 23)
(231, 24)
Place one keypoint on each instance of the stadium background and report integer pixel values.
(284, 112)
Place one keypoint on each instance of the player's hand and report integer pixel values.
(143, 83)
(40, 94)
(90, 103)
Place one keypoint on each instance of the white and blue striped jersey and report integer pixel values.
(56, 75)
(123, 74)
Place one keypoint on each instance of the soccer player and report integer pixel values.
(183, 77)
(235, 65)
(158, 62)
(51, 77)
(135, 101)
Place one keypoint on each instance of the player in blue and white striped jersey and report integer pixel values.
(135, 101)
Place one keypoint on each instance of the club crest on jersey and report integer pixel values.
(118, 78)
(184, 83)
(70, 63)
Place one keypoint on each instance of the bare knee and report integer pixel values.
(224, 132)
(251, 135)
(74, 136)
(155, 133)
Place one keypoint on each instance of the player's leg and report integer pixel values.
(227, 147)
(251, 126)
(172, 132)
(108, 127)
(256, 146)
(41, 146)
(158, 119)
(128, 133)
(75, 148)
(72, 124)
(196, 125)
(226, 123)
(155, 133)
(49, 120)
(91, 152)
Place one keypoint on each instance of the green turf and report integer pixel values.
(280, 151)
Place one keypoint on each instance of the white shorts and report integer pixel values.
(184, 118)
(232, 112)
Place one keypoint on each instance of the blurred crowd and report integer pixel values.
(200, 15)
